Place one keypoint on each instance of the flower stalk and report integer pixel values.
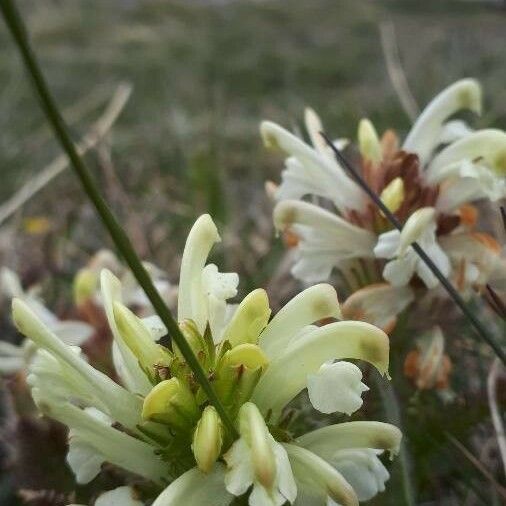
(473, 319)
(122, 242)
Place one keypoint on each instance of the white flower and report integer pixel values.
(346, 457)
(195, 488)
(287, 374)
(203, 291)
(159, 423)
(477, 257)
(429, 129)
(84, 459)
(442, 164)
(121, 496)
(420, 228)
(472, 168)
(336, 387)
(325, 239)
(257, 459)
(59, 365)
(378, 304)
(305, 472)
(363, 470)
(16, 358)
(87, 283)
(93, 441)
(311, 170)
(218, 287)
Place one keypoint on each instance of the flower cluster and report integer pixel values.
(15, 358)
(158, 423)
(430, 183)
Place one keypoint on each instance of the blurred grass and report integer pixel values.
(204, 75)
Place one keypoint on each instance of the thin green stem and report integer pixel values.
(475, 322)
(120, 239)
(393, 416)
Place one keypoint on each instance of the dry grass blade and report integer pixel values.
(395, 70)
(501, 491)
(74, 113)
(59, 164)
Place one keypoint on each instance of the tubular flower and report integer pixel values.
(428, 182)
(158, 422)
(15, 358)
(428, 366)
(87, 283)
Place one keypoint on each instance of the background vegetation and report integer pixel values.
(204, 74)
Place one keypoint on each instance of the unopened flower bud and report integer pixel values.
(249, 320)
(201, 349)
(208, 439)
(254, 431)
(171, 402)
(248, 355)
(393, 194)
(85, 284)
(237, 374)
(369, 143)
(138, 338)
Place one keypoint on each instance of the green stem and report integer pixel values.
(120, 239)
(393, 415)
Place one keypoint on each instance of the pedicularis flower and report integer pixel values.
(428, 182)
(428, 365)
(159, 424)
(13, 358)
(87, 283)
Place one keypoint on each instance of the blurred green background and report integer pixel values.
(204, 74)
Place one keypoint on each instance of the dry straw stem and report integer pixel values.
(501, 491)
(72, 113)
(96, 133)
(395, 70)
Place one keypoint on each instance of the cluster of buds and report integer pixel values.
(159, 423)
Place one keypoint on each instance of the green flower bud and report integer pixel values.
(171, 402)
(250, 318)
(238, 373)
(256, 434)
(202, 349)
(368, 141)
(84, 286)
(208, 439)
(151, 356)
(393, 194)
